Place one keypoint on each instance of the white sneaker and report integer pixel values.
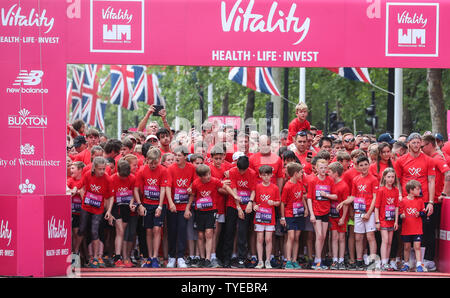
(171, 263)
(267, 265)
(260, 265)
(393, 265)
(181, 263)
(429, 265)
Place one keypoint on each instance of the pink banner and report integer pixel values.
(307, 33)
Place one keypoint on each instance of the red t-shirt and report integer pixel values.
(180, 179)
(84, 156)
(292, 198)
(123, 188)
(349, 175)
(150, 183)
(76, 199)
(307, 167)
(321, 205)
(363, 190)
(294, 127)
(265, 214)
(411, 224)
(206, 195)
(342, 191)
(378, 174)
(244, 184)
(418, 168)
(88, 168)
(97, 189)
(219, 174)
(386, 202)
(441, 167)
(273, 160)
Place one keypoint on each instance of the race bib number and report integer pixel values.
(324, 188)
(152, 193)
(334, 213)
(263, 215)
(181, 196)
(124, 197)
(204, 203)
(244, 195)
(93, 200)
(359, 204)
(76, 204)
(389, 213)
(298, 209)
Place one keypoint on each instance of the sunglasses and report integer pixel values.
(302, 133)
(349, 140)
(366, 141)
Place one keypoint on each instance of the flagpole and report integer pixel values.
(302, 80)
(177, 102)
(210, 96)
(398, 103)
(119, 122)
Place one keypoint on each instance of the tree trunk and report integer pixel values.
(437, 104)
(225, 109)
(250, 106)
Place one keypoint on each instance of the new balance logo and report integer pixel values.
(31, 78)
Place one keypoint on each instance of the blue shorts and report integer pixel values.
(295, 223)
(150, 220)
(411, 238)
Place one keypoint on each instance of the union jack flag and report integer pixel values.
(146, 87)
(93, 109)
(122, 77)
(353, 73)
(257, 78)
(76, 92)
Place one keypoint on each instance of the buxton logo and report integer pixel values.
(25, 119)
(238, 19)
(5, 232)
(14, 17)
(56, 231)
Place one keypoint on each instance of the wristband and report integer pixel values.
(159, 207)
(282, 218)
(377, 222)
(443, 194)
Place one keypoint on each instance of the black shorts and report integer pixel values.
(121, 212)
(411, 238)
(295, 223)
(204, 220)
(323, 218)
(75, 221)
(150, 220)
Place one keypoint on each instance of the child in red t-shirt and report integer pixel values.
(293, 212)
(267, 197)
(319, 196)
(95, 191)
(411, 208)
(118, 210)
(338, 217)
(386, 213)
(205, 195)
(299, 123)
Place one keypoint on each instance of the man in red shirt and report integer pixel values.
(302, 151)
(415, 165)
(300, 123)
(93, 139)
(164, 138)
(442, 188)
(348, 140)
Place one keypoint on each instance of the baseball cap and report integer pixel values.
(78, 141)
(237, 154)
(414, 135)
(151, 137)
(386, 137)
(439, 137)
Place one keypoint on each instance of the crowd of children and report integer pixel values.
(222, 198)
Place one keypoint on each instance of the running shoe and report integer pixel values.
(128, 264)
(147, 263)
(429, 265)
(419, 268)
(351, 266)
(207, 264)
(101, 263)
(252, 263)
(93, 263)
(171, 263)
(319, 266)
(289, 265)
(214, 263)
(260, 265)
(234, 263)
(405, 268)
(268, 265)
(334, 266)
(181, 263)
(119, 263)
(341, 266)
(275, 263)
(154, 263)
(195, 263)
(296, 265)
(360, 266)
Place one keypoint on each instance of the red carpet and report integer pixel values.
(248, 273)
